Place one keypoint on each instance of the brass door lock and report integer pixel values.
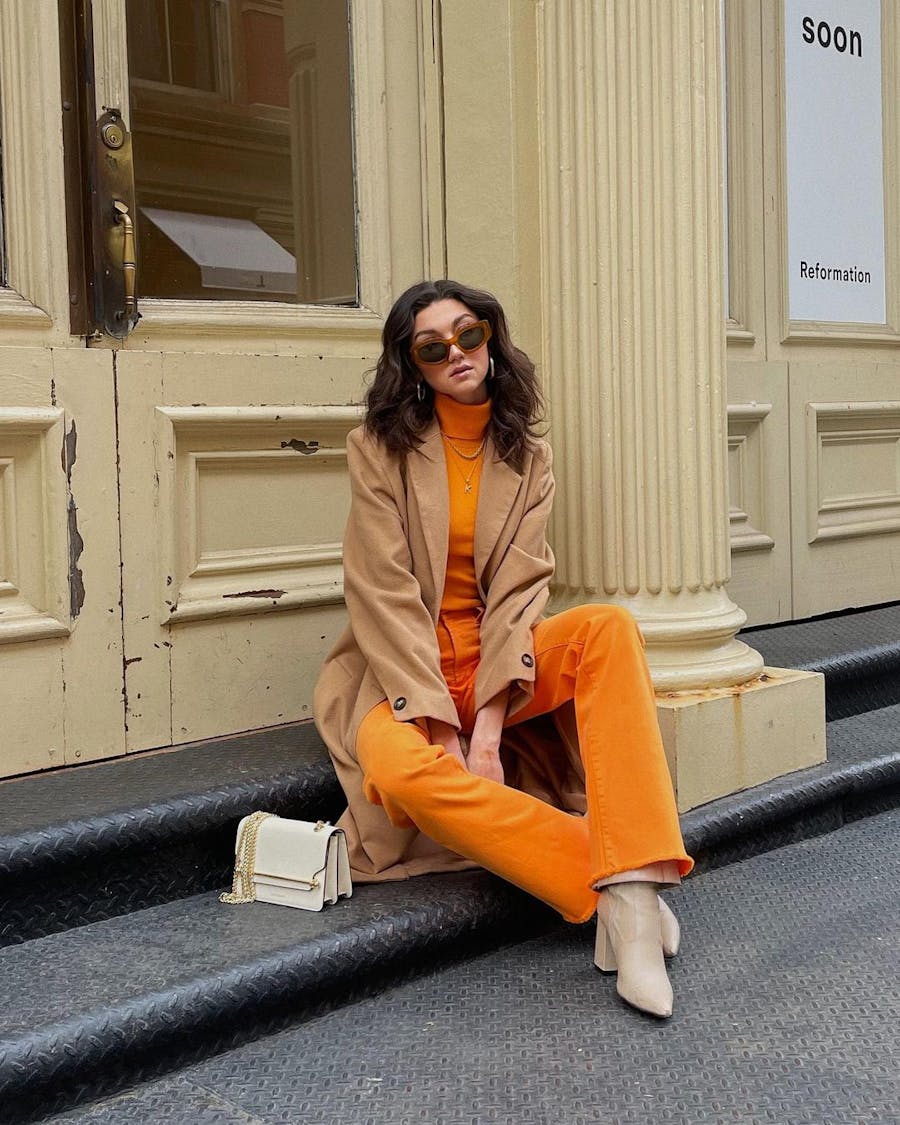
(113, 134)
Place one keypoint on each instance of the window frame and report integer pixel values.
(388, 172)
(34, 303)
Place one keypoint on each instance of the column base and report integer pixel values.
(721, 740)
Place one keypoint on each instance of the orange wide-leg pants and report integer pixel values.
(594, 655)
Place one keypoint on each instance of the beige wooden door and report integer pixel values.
(60, 621)
(261, 299)
(814, 414)
(171, 503)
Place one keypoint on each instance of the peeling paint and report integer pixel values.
(274, 594)
(306, 447)
(76, 546)
(76, 543)
(70, 446)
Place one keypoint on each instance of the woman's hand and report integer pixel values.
(484, 745)
(443, 734)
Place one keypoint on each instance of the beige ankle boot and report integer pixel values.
(669, 928)
(630, 940)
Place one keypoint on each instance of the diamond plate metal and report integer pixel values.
(861, 777)
(787, 1005)
(133, 833)
(124, 998)
(859, 654)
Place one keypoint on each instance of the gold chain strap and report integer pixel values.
(242, 889)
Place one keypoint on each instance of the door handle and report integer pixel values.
(114, 227)
(129, 258)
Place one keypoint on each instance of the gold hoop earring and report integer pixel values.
(420, 390)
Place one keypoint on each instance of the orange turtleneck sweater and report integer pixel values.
(463, 427)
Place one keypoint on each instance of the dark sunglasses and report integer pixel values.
(468, 339)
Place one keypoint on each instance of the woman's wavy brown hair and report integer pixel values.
(394, 414)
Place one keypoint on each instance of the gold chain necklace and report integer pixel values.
(465, 456)
(467, 480)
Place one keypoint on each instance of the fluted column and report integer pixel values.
(634, 330)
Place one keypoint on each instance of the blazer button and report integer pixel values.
(399, 703)
(528, 660)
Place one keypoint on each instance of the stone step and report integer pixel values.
(77, 846)
(858, 652)
(120, 1000)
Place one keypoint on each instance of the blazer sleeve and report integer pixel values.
(390, 621)
(517, 596)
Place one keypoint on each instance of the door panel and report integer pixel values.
(845, 442)
(231, 675)
(759, 497)
(92, 658)
(60, 623)
(232, 515)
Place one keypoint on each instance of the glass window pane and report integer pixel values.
(193, 44)
(241, 127)
(148, 49)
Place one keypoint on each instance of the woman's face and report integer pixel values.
(462, 375)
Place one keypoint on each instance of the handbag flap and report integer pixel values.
(291, 849)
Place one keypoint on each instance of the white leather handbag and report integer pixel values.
(289, 862)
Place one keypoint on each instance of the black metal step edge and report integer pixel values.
(859, 681)
(790, 808)
(81, 871)
(57, 1066)
(856, 681)
(29, 852)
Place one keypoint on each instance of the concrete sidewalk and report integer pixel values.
(787, 1011)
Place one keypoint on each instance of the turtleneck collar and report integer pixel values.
(462, 420)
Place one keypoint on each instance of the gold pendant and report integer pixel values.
(468, 487)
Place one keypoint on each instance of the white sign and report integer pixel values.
(835, 173)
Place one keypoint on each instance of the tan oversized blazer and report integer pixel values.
(395, 560)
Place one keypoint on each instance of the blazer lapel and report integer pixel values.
(496, 494)
(427, 471)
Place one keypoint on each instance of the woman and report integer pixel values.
(466, 728)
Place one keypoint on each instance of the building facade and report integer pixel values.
(689, 210)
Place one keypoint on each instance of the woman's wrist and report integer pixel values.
(489, 719)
